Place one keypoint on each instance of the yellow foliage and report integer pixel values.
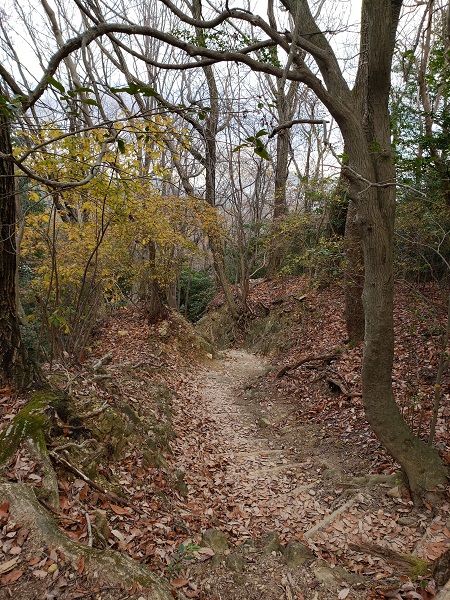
(114, 231)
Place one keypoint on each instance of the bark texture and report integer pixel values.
(363, 117)
(13, 359)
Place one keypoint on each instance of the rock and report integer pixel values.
(180, 484)
(326, 576)
(263, 423)
(271, 542)
(235, 562)
(217, 560)
(333, 576)
(296, 554)
(164, 328)
(394, 492)
(350, 578)
(248, 546)
(216, 540)
(333, 474)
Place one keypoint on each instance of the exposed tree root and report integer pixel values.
(27, 428)
(416, 567)
(444, 593)
(108, 565)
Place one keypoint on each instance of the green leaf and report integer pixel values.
(148, 91)
(83, 89)
(91, 102)
(121, 145)
(56, 84)
(262, 152)
(261, 132)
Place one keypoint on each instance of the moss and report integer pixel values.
(30, 423)
(131, 414)
(419, 567)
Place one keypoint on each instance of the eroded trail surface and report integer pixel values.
(267, 484)
(254, 476)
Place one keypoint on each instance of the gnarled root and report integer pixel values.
(109, 565)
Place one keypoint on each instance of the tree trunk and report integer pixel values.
(353, 278)
(14, 369)
(286, 104)
(370, 155)
(280, 204)
(154, 307)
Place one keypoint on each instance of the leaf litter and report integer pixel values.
(256, 453)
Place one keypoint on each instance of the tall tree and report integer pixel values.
(14, 366)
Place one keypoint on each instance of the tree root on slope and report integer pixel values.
(48, 411)
(108, 565)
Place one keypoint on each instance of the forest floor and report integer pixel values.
(283, 464)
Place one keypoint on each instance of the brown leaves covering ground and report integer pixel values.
(268, 455)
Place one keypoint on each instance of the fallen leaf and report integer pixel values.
(40, 573)
(4, 510)
(344, 593)
(119, 510)
(11, 577)
(179, 582)
(80, 565)
(8, 565)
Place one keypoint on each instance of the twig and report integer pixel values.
(73, 445)
(89, 528)
(96, 412)
(109, 495)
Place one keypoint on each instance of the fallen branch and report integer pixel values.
(331, 517)
(104, 360)
(89, 528)
(102, 377)
(321, 357)
(342, 387)
(416, 566)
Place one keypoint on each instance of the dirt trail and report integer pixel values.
(254, 476)
(266, 479)
(262, 482)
